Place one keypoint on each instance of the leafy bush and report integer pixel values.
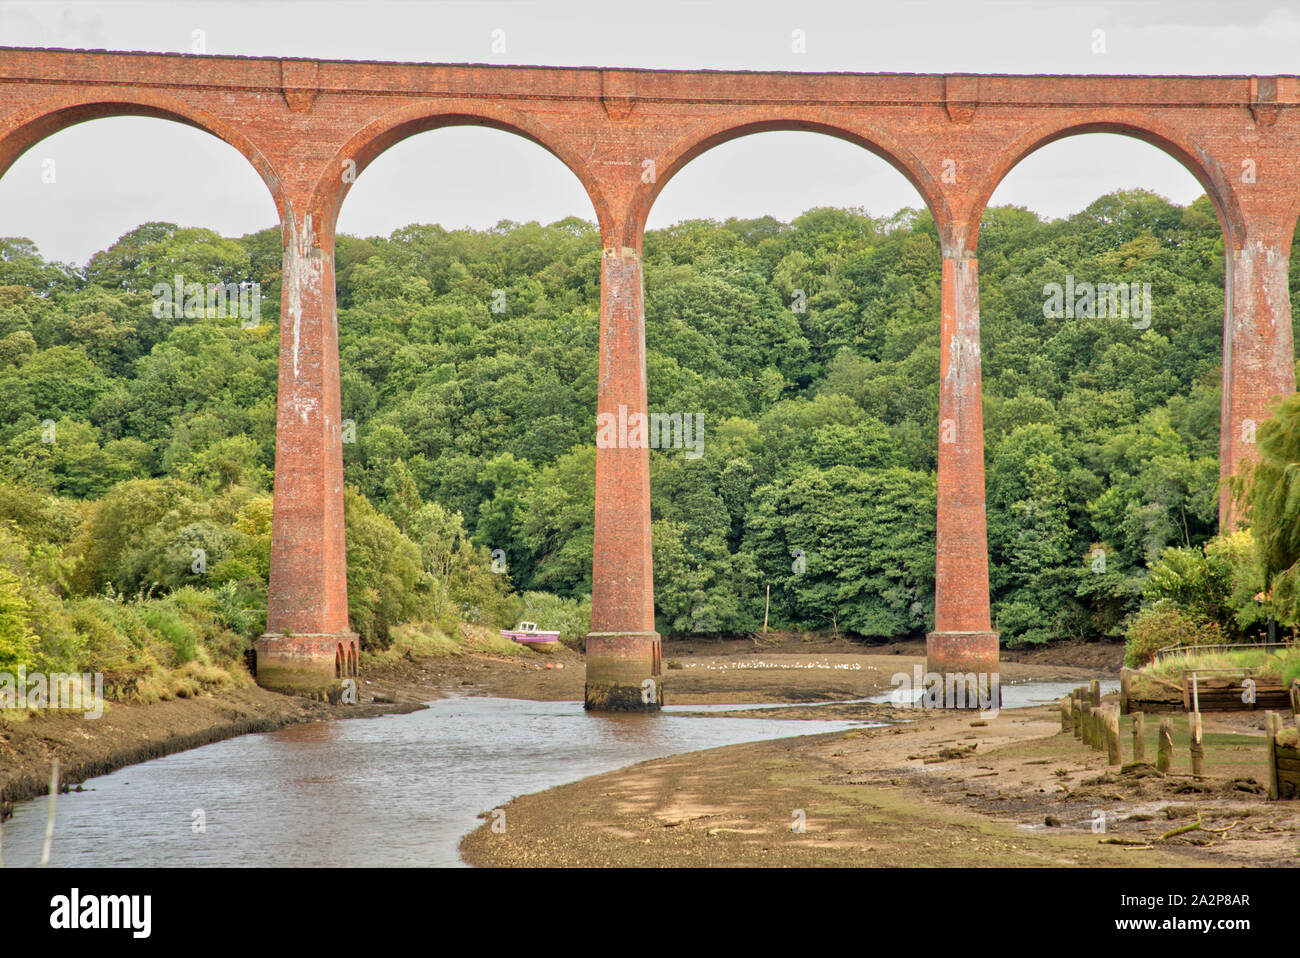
(242, 609)
(177, 634)
(1216, 582)
(117, 545)
(1165, 624)
(463, 584)
(383, 573)
(17, 643)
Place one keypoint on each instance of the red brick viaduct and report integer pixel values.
(309, 126)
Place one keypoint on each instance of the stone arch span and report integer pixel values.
(367, 144)
(769, 120)
(1256, 348)
(44, 120)
(1197, 160)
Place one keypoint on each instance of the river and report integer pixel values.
(397, 790)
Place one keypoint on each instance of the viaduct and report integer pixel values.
(308, 126)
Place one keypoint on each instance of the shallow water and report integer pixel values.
(395, 790)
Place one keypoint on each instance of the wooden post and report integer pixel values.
(766, 603)
(1076, 717)
(1165, 745)
(1198, 750)
(1272, 722)
(1124, 680)
(1113, 756)
(1095, 688)
(1087, 726)
(1139, 737)
(1066, 724)
(49, 816)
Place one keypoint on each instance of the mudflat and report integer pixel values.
(935, 790)
(931, 787)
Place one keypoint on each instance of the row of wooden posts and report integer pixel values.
(1097, 725)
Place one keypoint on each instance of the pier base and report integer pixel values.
(624, 672)
(967, 665)
(312, 665)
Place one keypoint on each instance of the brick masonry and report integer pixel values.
(308, 127)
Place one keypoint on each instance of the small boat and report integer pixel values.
(527, 633)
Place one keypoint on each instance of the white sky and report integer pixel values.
(113, 174)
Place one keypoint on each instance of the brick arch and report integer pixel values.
(766, 120)
(24, 130)
(393, 127)
(1197, 160)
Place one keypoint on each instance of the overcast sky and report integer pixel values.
(113, 174)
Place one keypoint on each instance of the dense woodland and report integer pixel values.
(469, 369)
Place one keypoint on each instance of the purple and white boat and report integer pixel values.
(527, 633)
